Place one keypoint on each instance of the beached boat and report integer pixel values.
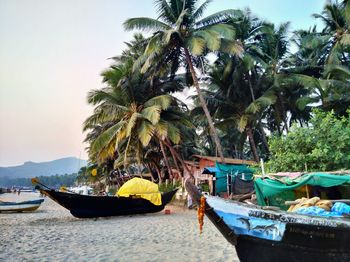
(24, 206)
(89, 206)
(265, 234)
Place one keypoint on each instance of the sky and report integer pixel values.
(52, 53)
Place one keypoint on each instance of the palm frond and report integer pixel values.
(224, 30)
(174, 134)
(200, 10)
(145, 24)
(131, 123)
(145, 132)
(345, 40)
(165, 12)
(231, 47)
(105, 138)
(302, 102)
(196, 45)
(153, 44)
(219, 17)
(180, 19)
(261, 103)
(168, 35)
(164, 101)
(152, 113)
(162, 129)
(242, 123)
(212, 38)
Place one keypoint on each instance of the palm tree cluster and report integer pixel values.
(254, 87)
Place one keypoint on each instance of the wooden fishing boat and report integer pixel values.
(87, 206)
(264, 234)
(24, 206)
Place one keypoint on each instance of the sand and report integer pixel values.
(53, 234)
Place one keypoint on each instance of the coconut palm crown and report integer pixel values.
(181, 36)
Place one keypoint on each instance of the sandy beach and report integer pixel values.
(53, 234)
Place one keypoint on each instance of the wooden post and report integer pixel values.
(229, 182)
(210, 185)
(307, 191)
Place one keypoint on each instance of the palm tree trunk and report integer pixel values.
(204, 106)
(167, 143)
(149, 166)
(175, 159)
(263, 135)
(165, 158)
(284, 113)
(159, 173)
(252, 144)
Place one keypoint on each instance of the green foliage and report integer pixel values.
(324, 146)
(163, 187)
(51, 181)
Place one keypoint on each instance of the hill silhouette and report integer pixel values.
(30, 169)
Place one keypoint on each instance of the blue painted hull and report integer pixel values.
(266, 235)
(30, 205)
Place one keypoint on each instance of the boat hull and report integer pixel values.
(264, 235)
(251, 249)
(25, 206)
(85, 206)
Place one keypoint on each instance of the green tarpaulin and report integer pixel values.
(266, 187)
(223, 170)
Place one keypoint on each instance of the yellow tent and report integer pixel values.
(142, 188)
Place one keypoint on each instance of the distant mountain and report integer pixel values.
(29, 169)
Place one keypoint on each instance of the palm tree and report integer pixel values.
(180, 37)
(337, 31)
(133, 111)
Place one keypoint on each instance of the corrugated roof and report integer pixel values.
(227, 160)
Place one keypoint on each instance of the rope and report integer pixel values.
(201, 211)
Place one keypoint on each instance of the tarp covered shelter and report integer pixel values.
(222, 171)
(141, 188)
(267, 187)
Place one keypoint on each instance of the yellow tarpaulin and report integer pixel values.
(142, 188)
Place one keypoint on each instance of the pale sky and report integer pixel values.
(52, 53)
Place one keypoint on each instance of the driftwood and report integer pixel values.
(346, 201)
(242, 197)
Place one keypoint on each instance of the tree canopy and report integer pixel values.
(256, 100)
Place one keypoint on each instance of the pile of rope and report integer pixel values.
(308, 202)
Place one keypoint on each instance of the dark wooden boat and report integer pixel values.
(86, 206)
(265, 235)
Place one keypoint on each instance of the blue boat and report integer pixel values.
(266, 234)
(24, 206)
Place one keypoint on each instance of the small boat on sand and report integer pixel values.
(267, 234)
(89, 206)
(23, 206)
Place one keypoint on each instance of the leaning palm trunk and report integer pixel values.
(213, 132)
(175, 160)
(263, 135)
(165, 158)
(252, 144)
(176, 154)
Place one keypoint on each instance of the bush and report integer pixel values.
(168, 187)
(324, 146)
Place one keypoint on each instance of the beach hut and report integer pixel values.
(220, 177)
